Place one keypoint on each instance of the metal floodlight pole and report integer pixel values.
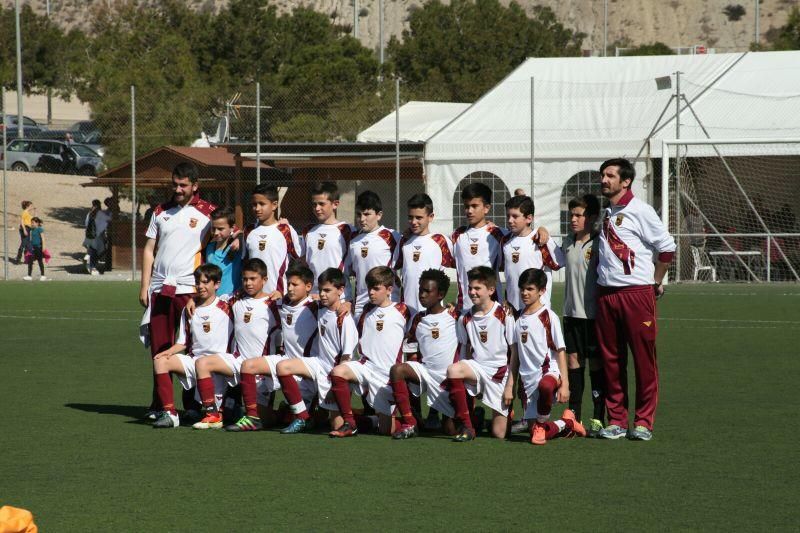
(258, 133)
(758, 22)
(380, 29)
(532, 138)
(678, 175)
(397, 152)
(355, 19)
(133, 182)
(5, 186)
(49, 89)
(605, 28)
(20, 121)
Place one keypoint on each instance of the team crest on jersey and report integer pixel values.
(289, 319)
(473, 248)
(379, 323)
(192, 222)
(524, 335)
(262, 244)
(483, 334)
(515, 254)
(321, 242)
(618, 221)
(417, 253)
(587, 255)
(364, 251)
(207, 327)
(434, 330)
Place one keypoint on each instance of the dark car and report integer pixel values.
(53, 156)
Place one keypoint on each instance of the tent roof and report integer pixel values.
(607, 107)
(418, 121)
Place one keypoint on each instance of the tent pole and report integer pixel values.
(532, 138)
(678, 175)
(397, 152)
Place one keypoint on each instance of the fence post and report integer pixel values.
(133, 183)
(397, 152)
(258, 134)
(532, 139)
(5, 185)
(769, 258)
(665, 193)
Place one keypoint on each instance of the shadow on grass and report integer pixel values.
(134, 412)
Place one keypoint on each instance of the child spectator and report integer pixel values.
(36, 248)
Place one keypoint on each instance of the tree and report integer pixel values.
(655, 49)
(734, 12)
(458, 51)
(788, 36)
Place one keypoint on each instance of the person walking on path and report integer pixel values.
(24, 228)
(36, 249)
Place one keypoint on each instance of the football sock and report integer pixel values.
(291, 390)
(598, 378)
(552, 429)
(523, 398)
(249, 394)
(576, 379)
(416, 404)
(155, 403)
(206, 388)
(547, 388)
(401, 398)
(341, 391)
(189, 401)
(165, 394)
(458, 397)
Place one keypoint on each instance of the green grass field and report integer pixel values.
(75, 379)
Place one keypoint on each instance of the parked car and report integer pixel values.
(86, 132)
(13, 122)
(53, 156)
(89, 139)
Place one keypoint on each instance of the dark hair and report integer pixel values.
(589, 203)
(626, 170)
(209, 270)
(334, 276)
(96, 203)
(300, 271)
(484, 274)
(265, 189)
(533, 276)
(185, 170)
(421, 201)
(226, 213)
(380, 275)
(369, 200)
(26, 204)
(523, 203)
(328, 188)
(441, 279)
(477, 190)
(255, 265)
(37, 220)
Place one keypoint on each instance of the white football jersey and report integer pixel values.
(338, 336)
(520, 254)
(474, 247)
(434, 337)
(382, 331)
(209, 331)
(256, 325)
(416, 254)
(368, 250)
(325, 246)
(180, 233)
(299, 328)
(276, 245)
(539, 339)
(487, 336)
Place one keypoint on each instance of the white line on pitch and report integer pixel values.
(83, 319)
(737, 320)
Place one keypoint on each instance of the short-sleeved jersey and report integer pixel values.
(231, 265)
(580, 294)
(338, 336)
(382, 331)
(299, 328)
(180, 233)
(631, 235)
(434, 337)
(209, 330)
(325, 246)
(539, 339)
(256, 324)
(522, 253)
(416, 254)
(487, 336)
(368, 250)
(276, 245)
(474, 247)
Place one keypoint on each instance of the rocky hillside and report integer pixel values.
(674, 22)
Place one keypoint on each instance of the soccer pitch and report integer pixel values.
(75, 378)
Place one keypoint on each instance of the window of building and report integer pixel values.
(500, 194)
(584, 182)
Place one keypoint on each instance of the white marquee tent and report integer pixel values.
(418, 122)
(587, 110)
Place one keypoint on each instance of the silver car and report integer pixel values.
(53, 156)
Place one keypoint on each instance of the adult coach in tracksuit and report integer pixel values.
(629, 280)
(176, 236)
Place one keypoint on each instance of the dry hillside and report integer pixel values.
(674, 22)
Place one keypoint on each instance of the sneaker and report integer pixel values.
(478, 419)
(465, 435)
(612, 432)
(569, 419)
(298, 425)
(246, 423)
(212, 420)
(190, 416)
(640, 433)
(167, 420)
(152, 414)
(433, 423)
(95, 272)
(538, 435)
(595, 427)
(27, 278)
(42, 278)
(520, 427)
(345, 430)
(405, 432)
